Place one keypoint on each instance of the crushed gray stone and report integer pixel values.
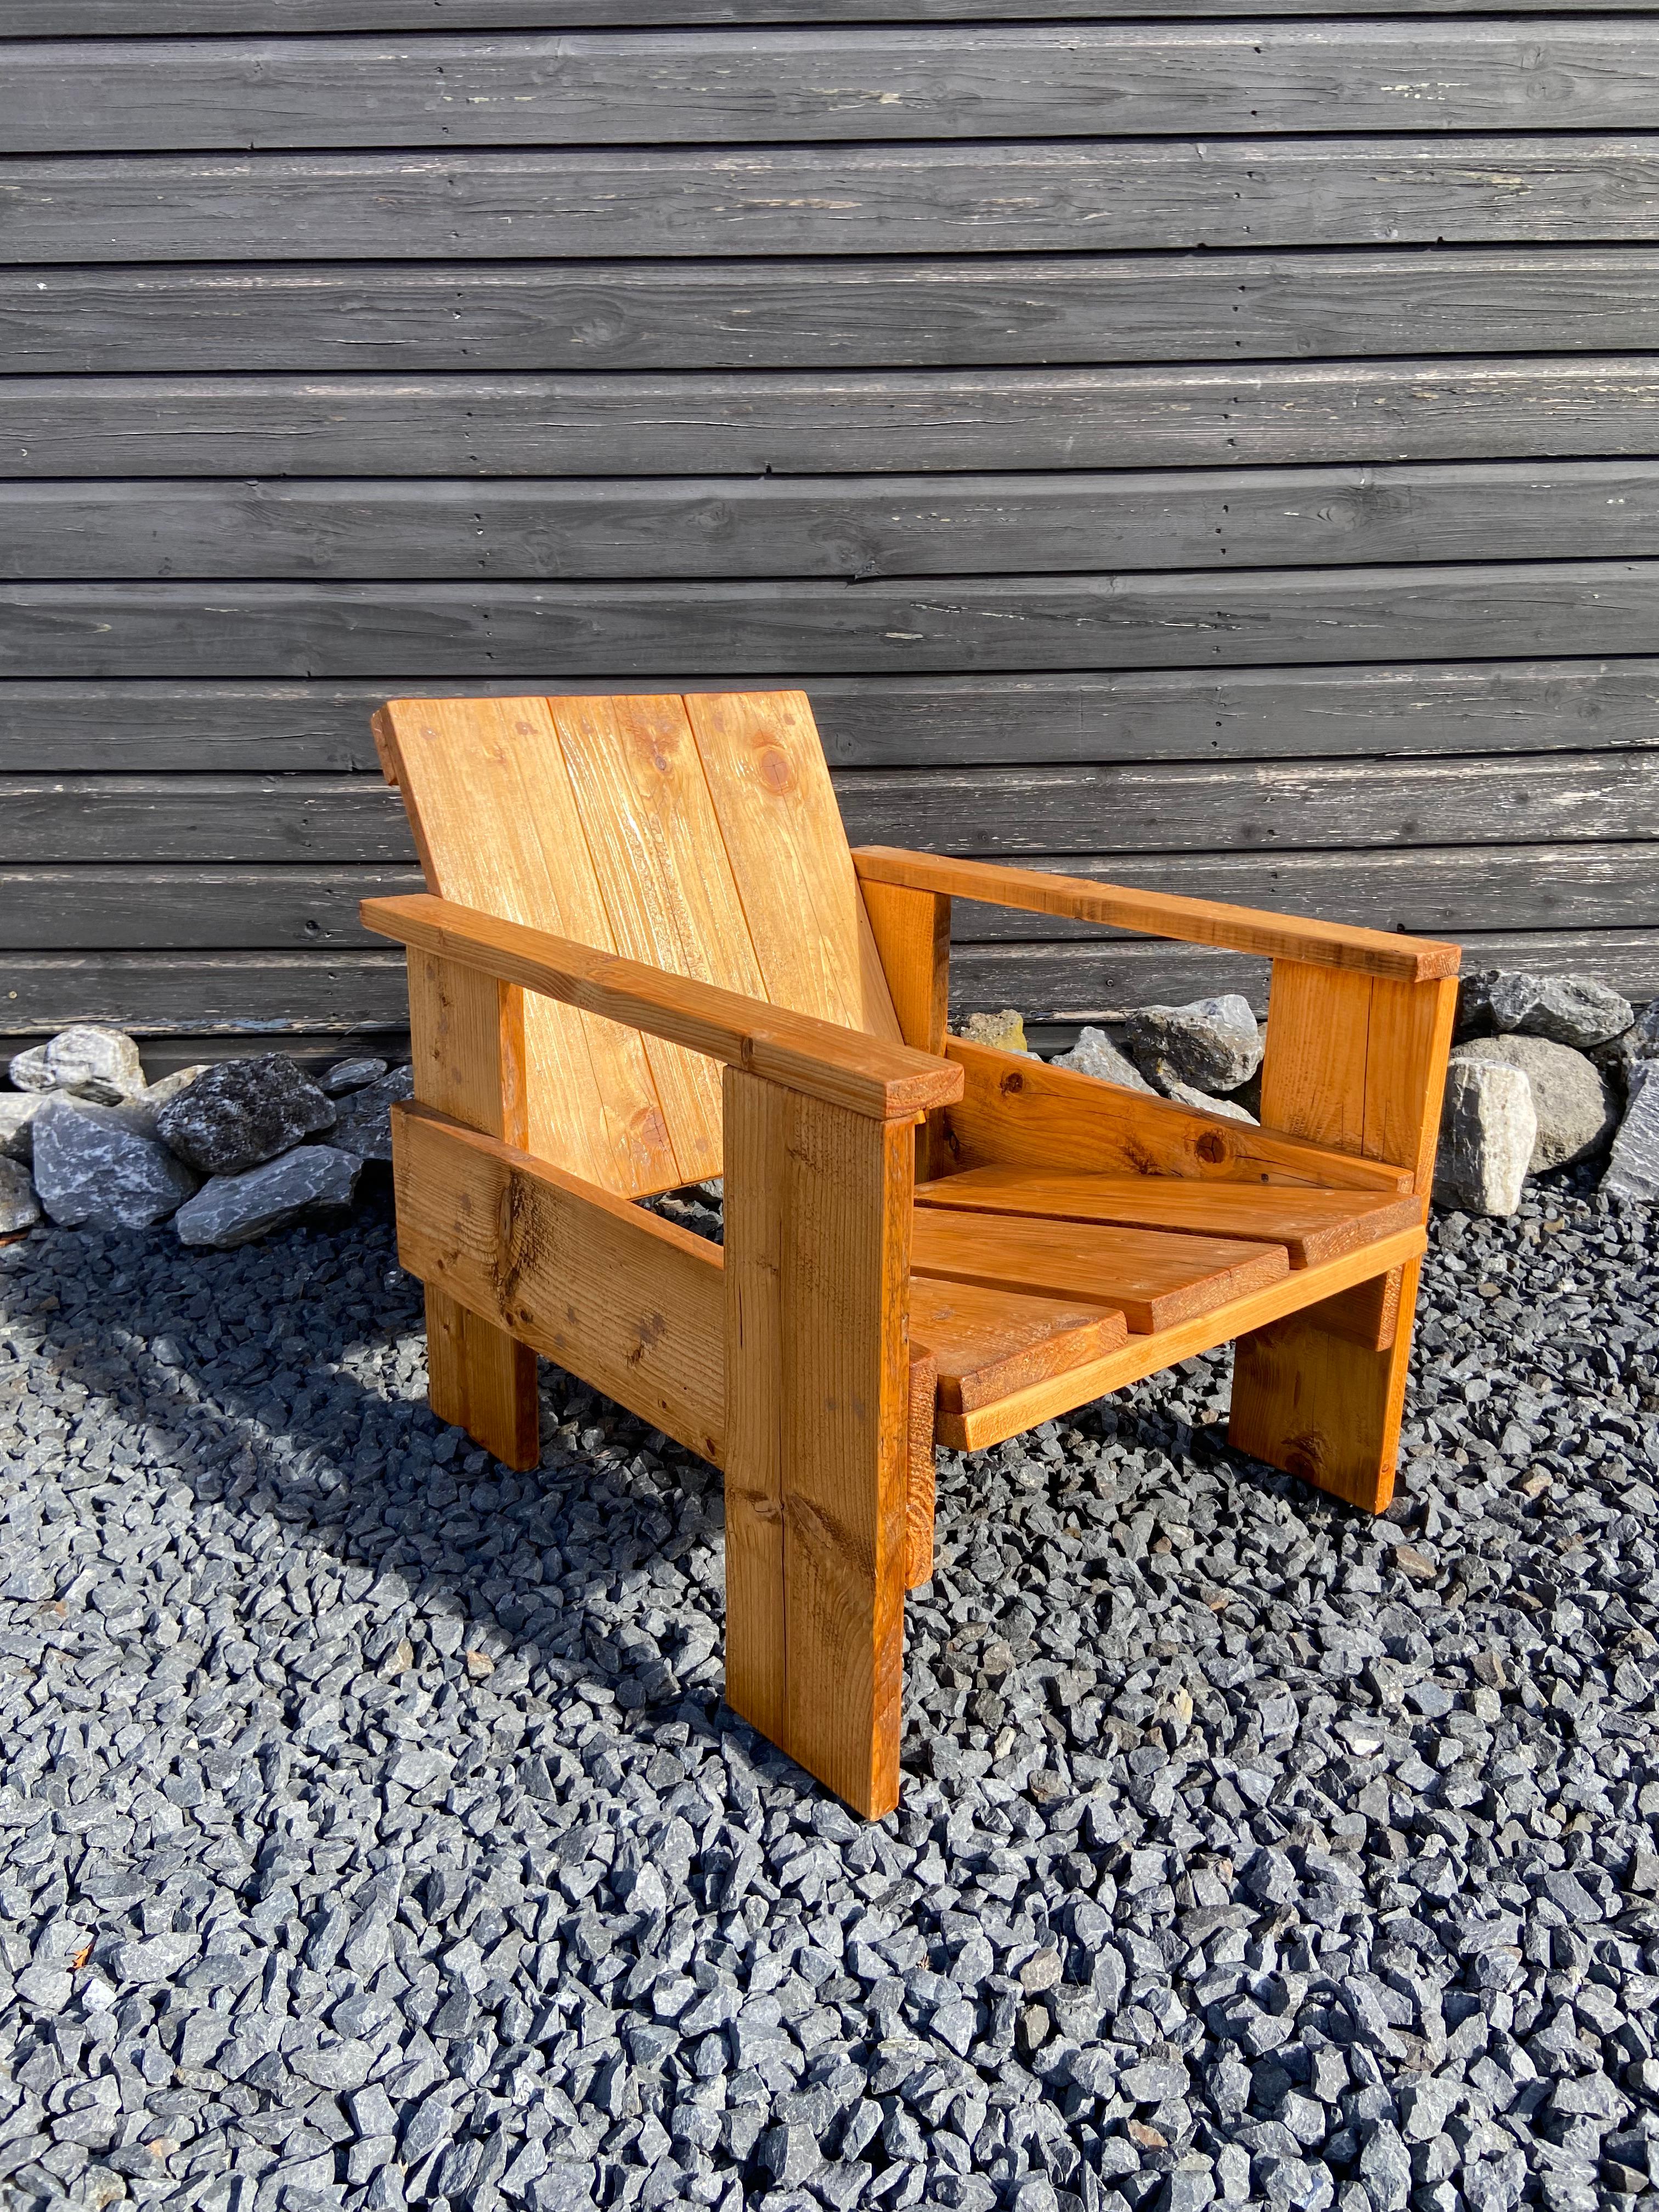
(372, 1833)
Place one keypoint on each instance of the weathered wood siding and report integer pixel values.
(1208, 450)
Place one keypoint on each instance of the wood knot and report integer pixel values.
(1012, 1081)
(1212, 1148)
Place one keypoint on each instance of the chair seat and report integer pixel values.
(1020, 1277)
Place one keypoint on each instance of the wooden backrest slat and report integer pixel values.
(698, 835)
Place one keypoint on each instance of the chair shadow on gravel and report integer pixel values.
(332, 1494)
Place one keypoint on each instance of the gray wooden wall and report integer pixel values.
(1212, 452)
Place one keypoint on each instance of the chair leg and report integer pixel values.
(1322, 1405)
(817, 1221)
(484, 1381)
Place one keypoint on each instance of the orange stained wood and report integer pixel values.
(1146, 1355)
(696, 836)
(919, 1483)
(1157, 913)
(1312, 1224)
(988, 1343)
(765, 761)
(1154, 1279)
(1016, 1112)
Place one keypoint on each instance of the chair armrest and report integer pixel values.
(1155, 914)
(887, 1082)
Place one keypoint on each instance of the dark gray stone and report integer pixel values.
(315, 1182)
(243, 1112)
(1571, 1010)
(1632, 1169)
(92, 1170)
(1214, 1044)
(19, 1207)
(364, 1122)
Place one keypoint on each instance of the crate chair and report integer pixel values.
(648, 957)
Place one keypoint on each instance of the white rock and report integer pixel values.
(1575, 1104)
(95, 1062)
(92, 1170)
(1214, 1044)
(1488, 1127)
(315, 1181)
(1632, 1169)
(17, 1111)
(28, 1071)
(1094, 1054)
(19, 1208)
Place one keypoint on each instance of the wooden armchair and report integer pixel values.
(925, 1238)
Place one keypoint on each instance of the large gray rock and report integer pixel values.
(1212, 1044)
(315, 1182)
(17, 1111)
(1488, 1128)
(1094, 1054)
(364, 1122)
(20, 1209)
(92, 1170)
(1632, 1169)
(1571, 1010)
(244, 1112)
(1576, 1106)
(1168, 1085)
(143, 1111)
(1619, 1058)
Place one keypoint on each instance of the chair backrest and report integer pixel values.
(699, 834)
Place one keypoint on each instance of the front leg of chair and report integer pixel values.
(817, 1246)
(1360, 1063)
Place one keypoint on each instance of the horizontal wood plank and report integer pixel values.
(1259, 807)
(1157, 195)
(1146, 1355)
(707, 425)
(893, 312)
(844, 1067)
(273, 994)
(157, 726)
(984, 1343)
(1157, 913)
(1312, 1226)
(634, 632)
(737, 87)
(635, 1305)
(857, 529)
(1444, 892)
(66, 19)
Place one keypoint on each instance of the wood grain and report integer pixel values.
(756, 1171)
(1153, 1279)
(904, 82)
(1023, 1113)
(865, 1075)
(1159, 195)
(669, 893)
(1192, 920)
(1313, 1225)
(1146, 1355)
(912, 933)
(475, 424)
(631, 1303)
(857, 528)
(467, 1049)
(497, 826)
(1134, 718)
(987, 1342)
(920, 1481)
(887, 312)
(783, 835)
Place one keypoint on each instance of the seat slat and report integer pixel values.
(1313, 1225)
(989, 1342)
(1154, 1278)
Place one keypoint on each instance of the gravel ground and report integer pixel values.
(371, 1831)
